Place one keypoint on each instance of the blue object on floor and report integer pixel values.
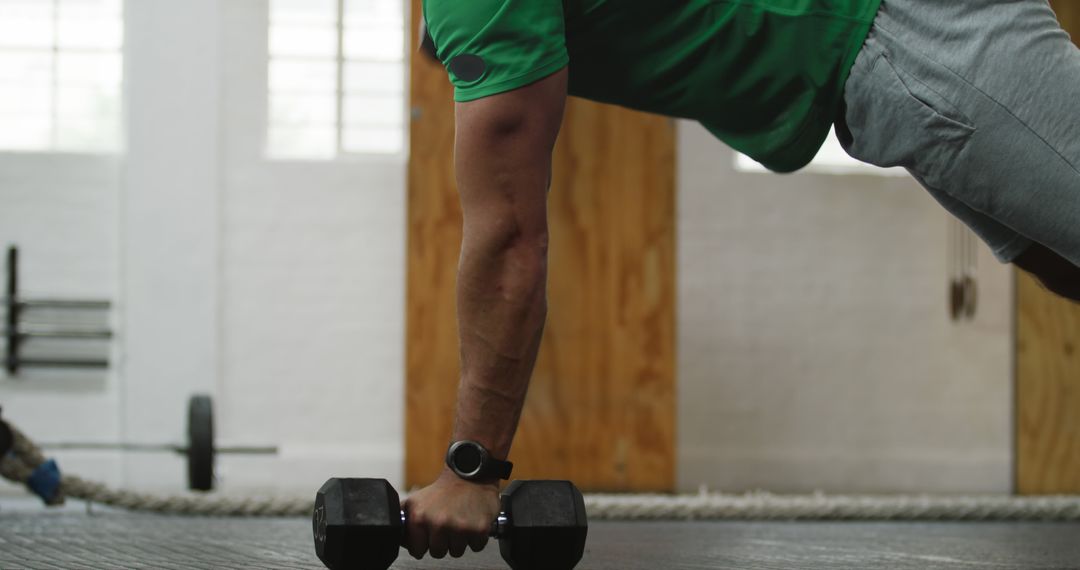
(45, 481)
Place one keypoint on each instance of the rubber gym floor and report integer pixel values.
(72, 538)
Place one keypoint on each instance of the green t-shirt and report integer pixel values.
(764, 76)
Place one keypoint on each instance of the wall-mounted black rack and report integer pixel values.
(17, 331)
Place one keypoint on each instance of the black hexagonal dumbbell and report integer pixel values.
(358, 525)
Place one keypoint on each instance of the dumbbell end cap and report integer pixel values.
(356, 524)
(547, 525)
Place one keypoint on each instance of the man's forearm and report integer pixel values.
(501, 312)
(503, 165)
(502, 281)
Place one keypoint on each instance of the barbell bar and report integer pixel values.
(153, 447)
(200, 449)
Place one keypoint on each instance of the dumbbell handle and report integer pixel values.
(498, 527)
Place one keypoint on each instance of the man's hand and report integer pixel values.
(449, 515)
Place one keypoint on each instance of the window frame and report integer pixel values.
(340, 151)
(54, 50)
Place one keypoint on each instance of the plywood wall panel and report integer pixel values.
(1048, 371)
(1048, 391)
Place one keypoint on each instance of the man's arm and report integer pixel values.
(503, 164)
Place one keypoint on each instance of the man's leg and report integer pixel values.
(980, 100)
(1056, 274)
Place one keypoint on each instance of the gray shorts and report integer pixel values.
(980, 101)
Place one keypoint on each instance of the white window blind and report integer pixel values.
(336, 78)
(61, 75)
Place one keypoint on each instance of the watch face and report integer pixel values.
(467, 459)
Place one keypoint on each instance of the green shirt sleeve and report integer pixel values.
(493, 46)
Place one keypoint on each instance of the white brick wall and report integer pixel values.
(815, 350)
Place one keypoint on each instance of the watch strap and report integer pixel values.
(496, 469)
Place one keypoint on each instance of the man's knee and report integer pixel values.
(1056, 273)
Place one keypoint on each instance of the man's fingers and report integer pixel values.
(458, 544)
(438, 538)
(459, 539)
(477, 541)
(416, 538)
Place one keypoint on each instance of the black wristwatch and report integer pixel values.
(472, 462)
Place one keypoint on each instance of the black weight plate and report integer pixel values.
(200, 450)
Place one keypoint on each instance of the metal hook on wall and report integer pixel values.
(962, 258)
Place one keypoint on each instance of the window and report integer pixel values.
(831, 159)
(61, 75)
(336, 78)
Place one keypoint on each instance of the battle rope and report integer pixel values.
(25, 464)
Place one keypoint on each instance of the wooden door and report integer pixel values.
(1048, 371)
(601, 407)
